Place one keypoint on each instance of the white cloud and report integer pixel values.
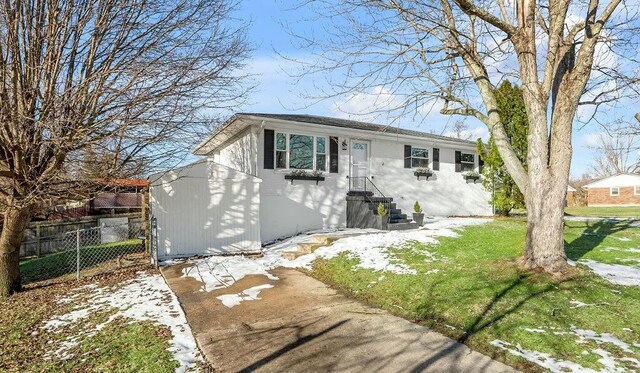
(471, 134)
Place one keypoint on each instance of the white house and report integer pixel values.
(247, 191)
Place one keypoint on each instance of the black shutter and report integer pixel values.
(480, 163)
(268, 149)
(458, 161)
(407, 156)
(333, 155)
(436, 159)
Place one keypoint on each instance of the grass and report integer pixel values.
(480, 291)
(64, 262)
(604, 212)
(121, 346)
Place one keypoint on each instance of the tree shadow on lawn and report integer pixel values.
(593, 236)
(506, 300)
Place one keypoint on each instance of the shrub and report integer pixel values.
(382, 211)
(417, 208)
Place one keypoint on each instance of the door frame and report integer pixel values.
(351, 142)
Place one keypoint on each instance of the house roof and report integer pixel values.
(231, 127)
(141, 183)
(619, 180)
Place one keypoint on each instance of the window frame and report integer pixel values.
(412, 157)
(636, 190)
(463, 162)
(287, 136)
(611, 191)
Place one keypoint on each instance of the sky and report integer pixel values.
(277, 91)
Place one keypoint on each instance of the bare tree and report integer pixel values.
(451, 54)
(616, 153)
(137, 79)
(460, 130)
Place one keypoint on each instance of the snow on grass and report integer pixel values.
(368, 246)
(615, 273)
(542, 359)
(578, 304)
(146, 297)
(545, 360)
(232, 300)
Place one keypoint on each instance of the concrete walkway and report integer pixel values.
(301, 325)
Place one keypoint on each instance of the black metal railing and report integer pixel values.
(362, 185)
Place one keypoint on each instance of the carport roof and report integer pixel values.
(241, 120)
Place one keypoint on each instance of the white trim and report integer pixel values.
(611, 191)
(427, 158)
(287, 151)
(636, 190)
(354, 140)
(203, 148)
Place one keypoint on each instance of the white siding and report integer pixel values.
(206, 208)
(239, 152)
(288, 208)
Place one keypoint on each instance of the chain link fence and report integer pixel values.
(87, 252)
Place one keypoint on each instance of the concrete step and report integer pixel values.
(359, 193)
(401, 226)
(397, 216)
(395, 221)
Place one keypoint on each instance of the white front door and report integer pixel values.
(359, 162)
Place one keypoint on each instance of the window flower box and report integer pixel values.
(303, 175)
(471, 175)
(423, 171)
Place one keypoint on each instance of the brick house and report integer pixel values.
(617, 190)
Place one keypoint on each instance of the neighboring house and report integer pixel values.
(571, 195)
(618, 190)
(246, 192)
(117, 196)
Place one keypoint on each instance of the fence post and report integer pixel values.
(78, 255)
(38, 243)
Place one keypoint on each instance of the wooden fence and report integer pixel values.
(45, 237)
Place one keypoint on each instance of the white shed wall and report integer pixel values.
(240, 152)
(206, 208)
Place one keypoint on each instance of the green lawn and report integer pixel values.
(477, 294)
(604, 212)
(121, 346)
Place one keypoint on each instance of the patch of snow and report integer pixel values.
(450, 326)
(584, 335)
(368, 246)
(542, 359)
(628, 250)
(578, 304)
(147, 297)
(614, 273)
(535, 330)
(232, 300)
(627, 329)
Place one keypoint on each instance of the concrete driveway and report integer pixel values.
(301, 325)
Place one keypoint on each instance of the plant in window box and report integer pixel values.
(418, 215)
(382, 216)
(423, 171)
(471, 175)
(304, 175)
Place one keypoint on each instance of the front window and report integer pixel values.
(615, 191)
(637, 190)
(281, 150)
(301, 152)
(419, 157)
(467, 162)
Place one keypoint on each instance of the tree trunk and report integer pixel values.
(544, 246)
(15, 223)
